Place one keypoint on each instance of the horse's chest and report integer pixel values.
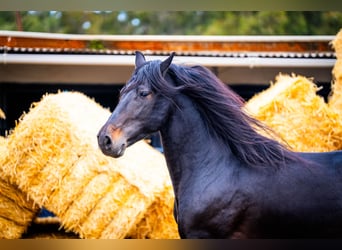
(212, 212)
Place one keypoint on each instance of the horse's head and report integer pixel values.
(141, 109)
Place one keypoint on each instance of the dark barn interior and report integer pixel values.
(17, 98)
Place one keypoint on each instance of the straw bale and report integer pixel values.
(3, 149)
(335, 99)
(10, 229)
(16, 210)
(292, 108)
(127, 206)
(44, 145)
(158, 221)
(56, 160)
(93, 190)
(14, 205)
(337, 44)
(79, 177)
(87, 211)
(2, 114)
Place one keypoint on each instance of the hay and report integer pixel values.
(99, 192)
(2, 114)
(337, 44)
(158, 221)
(14, 205)
(293, 109)
(335, 99)
(56, 161)
(16, 210)
(161, 230)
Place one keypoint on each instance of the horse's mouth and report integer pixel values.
(114, 152)
(120, 151)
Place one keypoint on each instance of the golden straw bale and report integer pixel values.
(160, 222)
(2, 114)
(150, 175)
(159, 215)
(16, 210)
(3, 149)
(45, 144)
(14, 205)
(95, 180)
(335, 99)
(81, 174)
(10, 229)
(293, 110)
(56, 160)
(130, 202)
(127, 205)
(337, 44)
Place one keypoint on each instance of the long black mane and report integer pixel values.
(221, 109)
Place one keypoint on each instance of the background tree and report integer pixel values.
(177, 22)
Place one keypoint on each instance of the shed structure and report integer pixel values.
(32, 64)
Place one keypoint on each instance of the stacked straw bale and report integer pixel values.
(16, 210)
(2, 114)
(293, 110)
(57, 162)
(161, 209)
(335, 100)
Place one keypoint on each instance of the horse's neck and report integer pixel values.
(188, 146)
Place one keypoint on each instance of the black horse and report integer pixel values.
(229, 180)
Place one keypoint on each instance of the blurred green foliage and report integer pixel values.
(175, 22)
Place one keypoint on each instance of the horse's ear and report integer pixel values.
(139, 59)
(166, 63)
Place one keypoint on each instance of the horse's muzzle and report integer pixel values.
(111, 142)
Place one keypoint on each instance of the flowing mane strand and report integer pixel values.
(222, 110)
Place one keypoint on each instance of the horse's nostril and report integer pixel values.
(107, 142)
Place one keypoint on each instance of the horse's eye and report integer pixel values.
(144, 93)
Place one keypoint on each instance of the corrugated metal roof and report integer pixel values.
(128, 60)
(63, 58)
(203, 46)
